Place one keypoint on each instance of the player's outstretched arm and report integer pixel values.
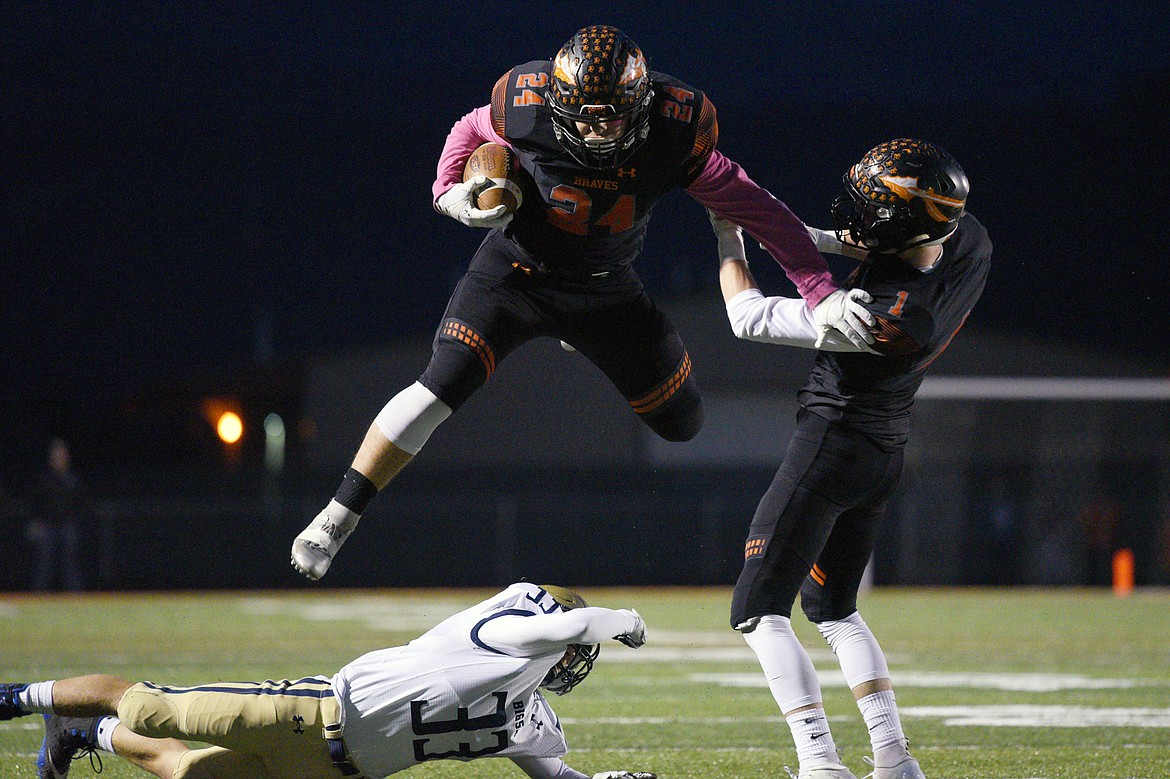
(778, 320)
(526, 636)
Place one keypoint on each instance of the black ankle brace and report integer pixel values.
(355, 492)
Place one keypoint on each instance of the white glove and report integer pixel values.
(829, 242)
(625, 775)
(458, 202)
(842, 311)
(637, 636)
(826, 240)
(730, 238)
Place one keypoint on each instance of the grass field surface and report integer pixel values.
(1011, 683)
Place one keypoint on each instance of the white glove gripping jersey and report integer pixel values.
(467, 688)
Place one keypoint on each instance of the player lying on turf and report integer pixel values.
(924, 262)
(465, 689)
(601, 139)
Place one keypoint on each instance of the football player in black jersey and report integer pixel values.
(600, 138)
(923, 265)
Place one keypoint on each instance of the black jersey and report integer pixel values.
(589, 219)
(918, 314)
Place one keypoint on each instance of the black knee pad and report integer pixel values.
(462, 361)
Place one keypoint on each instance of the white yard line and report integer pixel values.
(1021, 682)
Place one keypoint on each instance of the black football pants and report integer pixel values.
(814, 530)
(499, 305)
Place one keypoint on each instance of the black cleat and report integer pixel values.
(66, 739)
(9, 708)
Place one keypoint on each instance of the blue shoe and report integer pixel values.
(9, 708)
(66, 739)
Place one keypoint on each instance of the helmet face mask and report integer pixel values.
(571, 669)
(600, 78)
(903, 194)
(578, 659)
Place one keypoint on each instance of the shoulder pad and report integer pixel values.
(706, 136)
(499, 100)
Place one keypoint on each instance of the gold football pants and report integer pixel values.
(264, 730)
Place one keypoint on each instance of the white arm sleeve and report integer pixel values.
(777, 320)
(547, 768)
(527, 636)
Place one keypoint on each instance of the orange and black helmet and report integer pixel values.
(600, 77)
(904, 193)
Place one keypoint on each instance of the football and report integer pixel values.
(497, 162)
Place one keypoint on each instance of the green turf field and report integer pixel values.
(991, 683)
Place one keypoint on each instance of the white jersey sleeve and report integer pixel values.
(521, 634)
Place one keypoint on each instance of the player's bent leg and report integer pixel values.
(398, 433)
(410, 417)
(220, 763)
(462, 361)
(159, 756)
(280, 720)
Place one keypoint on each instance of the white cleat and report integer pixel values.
(314, 548)
(907, 769)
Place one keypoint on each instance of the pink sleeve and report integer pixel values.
(725, 188)
(468, 134)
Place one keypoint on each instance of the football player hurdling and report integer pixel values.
(923, 265)
(468, 688)
(598, 139)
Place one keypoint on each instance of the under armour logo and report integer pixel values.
(627, 172)
(299, 720)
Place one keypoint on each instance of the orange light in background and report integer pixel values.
(226, 418)
(229, 427)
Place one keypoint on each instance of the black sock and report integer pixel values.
(355, 492)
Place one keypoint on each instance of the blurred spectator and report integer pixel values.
(1099, 519)
(61, 510)
(1162, 573)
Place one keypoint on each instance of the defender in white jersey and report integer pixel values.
(468, 688)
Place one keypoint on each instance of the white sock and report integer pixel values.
(885, 729)
(794, 683)
(814, 742)
(105, 733)
(37, 698)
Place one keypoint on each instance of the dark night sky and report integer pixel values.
(181, 178)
